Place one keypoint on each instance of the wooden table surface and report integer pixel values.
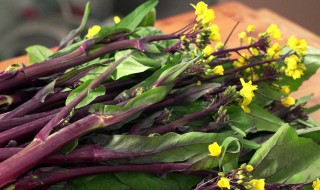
(227, 15)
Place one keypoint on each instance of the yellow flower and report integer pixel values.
(249, 168)
(274, 51)
(274, 32)
(94, 30)
(247, 89)
(247, 93)
(299, 46)
(199, 83)
(251, 28)
(218, 46)
(244, 105)
(294, 68)
(250, 40)
(116, 19)
(242, 36)
(242, 60)
(254, 51)
(214, 33)
(285, 90)
(214, 149)
(316, 184)
(257, 184)
(317, 187)
(207, 17)
(200, 8)
(288, 101)
(207, 51)
(224, 183)
(218, 70)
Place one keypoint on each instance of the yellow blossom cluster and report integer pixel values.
(274, 32)
(242, 60)
(247, 93)
(274, 51)
(299, 46)
(214, 33)
(204, 15)
(294, 68)
(243, 35)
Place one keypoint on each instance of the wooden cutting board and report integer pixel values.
(227, 15)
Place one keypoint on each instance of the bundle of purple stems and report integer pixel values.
(36, 124)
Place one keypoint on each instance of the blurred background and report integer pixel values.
(46, 22)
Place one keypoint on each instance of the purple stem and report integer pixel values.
(10, 123)
(24, 131)
(79, 56)
(174, 124)
(44, 177)
(38, 150)
(56, 121)
(34, 104)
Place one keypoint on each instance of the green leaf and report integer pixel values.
(303, 100)
(69, 147)
(91, 95)
(149, 97)
(149, 181)
(238, 118)
(74, 33)
(137, 63)
(146, 84)
(173, 72)
(45, 91)
(37, 53)
(287, 158)
(264, 120)
(266, 94)
(98, 182)
(105, 109)
(170, 147)
(225, 145)
(137, 181)
(238, 130)
(313, 109)
(132, 20)
(149, 19)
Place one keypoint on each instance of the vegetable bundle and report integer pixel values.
(128, 107)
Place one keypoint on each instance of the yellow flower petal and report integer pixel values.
(214, 149)
(218, 70)
(224, 183)
(116, 19)
(287, 102)
(257, 184)
(94, 30)
(207, 51)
